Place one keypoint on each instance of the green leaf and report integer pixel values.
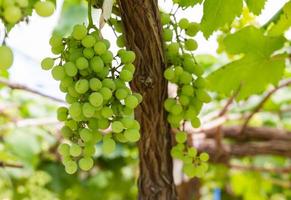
(251, 40)
(284, 22)
(255, 70)
(251, 74)
(255, 6)
(217, 13)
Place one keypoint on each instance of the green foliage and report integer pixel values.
(253, 72)
(217, 13)
(256, 6)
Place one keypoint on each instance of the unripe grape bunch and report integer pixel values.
(100, 102)
(184, 72)
(14, 11)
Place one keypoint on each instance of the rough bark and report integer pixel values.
(142, 29)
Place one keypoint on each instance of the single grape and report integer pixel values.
(120, 41)
(126, 75)
(107, 57)
(106, 112)
(121, 93)
(106, 93)
(203, 96)
(47, 63)
(12, 14)
(88, 110)
(86, 134)
(191, 45)
(58, 73)
(169, 74)
(95, 84)
(6, 57)
(75, 150)
(96, 99)
(79, 32)
(75, 109)
(71, 167)
(176, 109)
(195, 122)
(181, 137)
(192, 29)
(82, 63)
(127, 57)
(56, 40)
(62, 113)
(82, 86)
(169, 103)
(66, 132)
(131, 101)
(86, 163)
(192, 152)
(88, 41)
(100, 48)
(64, 149)
(96, 64)
(167, 34)
(165, 18)
(70, 69)
(129, 67)
(183, 23)
(88, 53)
(132, 135)
(89, 150)
(117, 127)
(204, 157)
(44, 8)
(108, 145)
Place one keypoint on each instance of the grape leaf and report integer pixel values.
(217, 13)
(283, 23)
(255, 6)
(251, 40)
(255, 70)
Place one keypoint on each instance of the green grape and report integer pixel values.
(132, 135)
(57, 49)
(44, 8)
(190, 113)
(165, 18)
(82, 86)
(167, 34)
(204, 157)
(117, 127)
(192, 152)
(127, 57)
(70, 99)
(85, 134)
(66, 132)
(109, 83)
(58, 73)
(93, 124)
(173, 48)
(192, 29)
(121, 93)
(184, 100)
(108, 145)
(96, 64)
(185, 78)
(71, 167)
(86, 163)
(71, 124)
(200, 82)
(169, 74)
(75, 109)
(169, 103)
(129, 67)
(97, 137)
(6, 57)
(79, 32)
(187, 90)
(181, 137)
(62, 113)
(100, 48)
(138, 96)
(177, 153)
(12, 14)
(88, 41)
(47, 63)
(64, 149)
(73, 92)
(88, 53)
(176, 109)
(131, 101)
(70, 69)
(89, 150)
(126, 75)
(82, 63)
(189, 170)
(56, 40)
(203, 96)
(183, 23)
(96, 99)
(200, 170)
(120, 41)
(103, 123)
(88, 110)
(187, 159)
(106, 112)
(191, 45)
(127, 122)
(75, 150)
(95, 84)
(106, 93)
(120, 137)
(127, 111)
(195, 122)
(107, 57)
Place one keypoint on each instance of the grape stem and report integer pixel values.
(90, 25)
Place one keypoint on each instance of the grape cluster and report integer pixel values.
(186, 74)
(100, 102)
(13, 11)
(6, 57)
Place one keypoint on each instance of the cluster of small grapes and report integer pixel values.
(100, 102)
(186, 74)
(13, 11)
